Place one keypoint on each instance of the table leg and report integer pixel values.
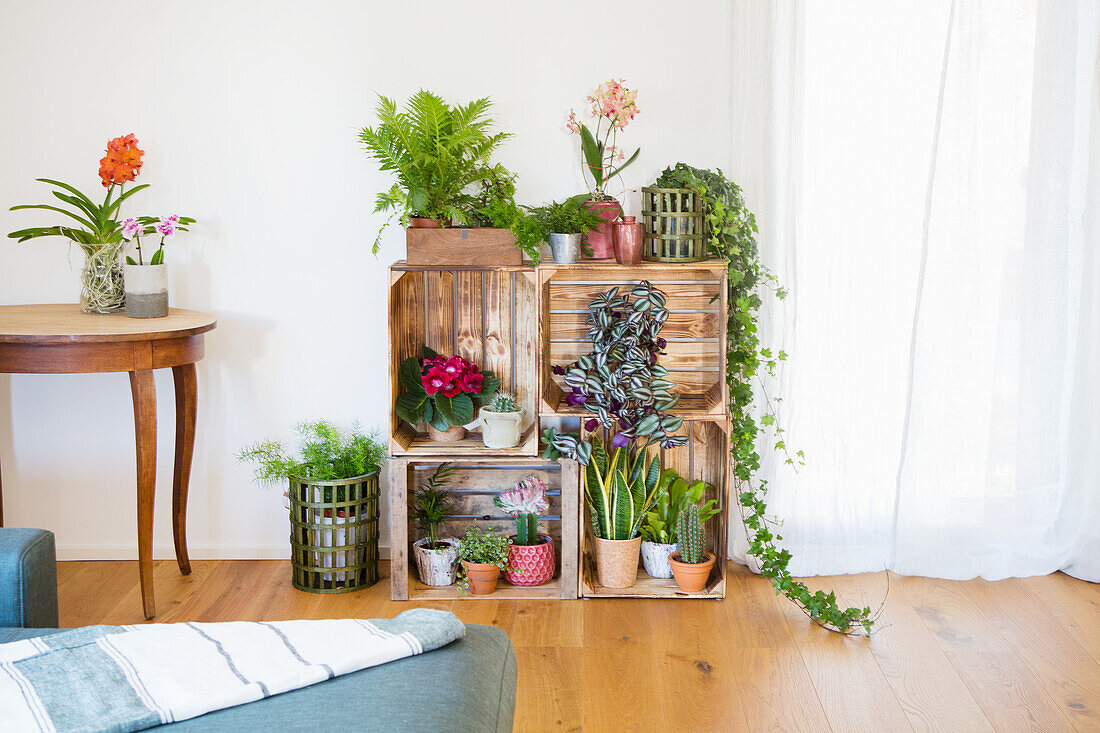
(186, 408)
(144, 394)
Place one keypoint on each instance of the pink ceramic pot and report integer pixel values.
(535, 561)
(628, 238)
(601, 239)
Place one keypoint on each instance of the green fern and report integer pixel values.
(436, 152)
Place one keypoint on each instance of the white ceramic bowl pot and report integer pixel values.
(437, 566)
(146, 290)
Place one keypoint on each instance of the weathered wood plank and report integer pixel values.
(439, 310)
(526, 344)
(690, 325)
(689, 296)
(469, 329)
(498, 327)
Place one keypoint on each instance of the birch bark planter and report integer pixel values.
(436, 567)
(146, 290)
(534, 564)
(499, 429)
(691, 577)
(655, 558)
(482, 577)
(617, 562)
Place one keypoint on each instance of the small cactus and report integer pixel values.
(503, 402)
(690, 533)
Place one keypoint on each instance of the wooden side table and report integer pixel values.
(60, 339)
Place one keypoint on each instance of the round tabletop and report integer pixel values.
(66, 323)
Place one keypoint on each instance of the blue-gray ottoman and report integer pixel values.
(469, 685)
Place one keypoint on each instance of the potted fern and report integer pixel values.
(691, 565)
(659, 536)
(432, 506)
(484, 555)
(439, 154)
(564, 225)
(501, 422)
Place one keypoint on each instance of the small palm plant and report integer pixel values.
(436, 152)
(433, 504)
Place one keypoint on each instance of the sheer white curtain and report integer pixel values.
(927, 181)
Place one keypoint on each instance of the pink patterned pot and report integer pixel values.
(536, 562)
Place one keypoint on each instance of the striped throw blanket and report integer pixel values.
(127, 678)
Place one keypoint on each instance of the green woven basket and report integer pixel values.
(675, 227)
(334, 534)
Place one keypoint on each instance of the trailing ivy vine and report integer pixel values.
(731, 235)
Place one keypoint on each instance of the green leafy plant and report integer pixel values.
(496, 207)
(620, 382)
(673, 494)
(325, 453)
(482, 547)
(501, 402)
(619, 488)
(689, 530)
(436, 152)
(442, 390)
(731, 235)
(433, 504)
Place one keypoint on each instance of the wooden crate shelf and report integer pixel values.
(695, 330)
(485, 314)
(705, 457)
(476, 481)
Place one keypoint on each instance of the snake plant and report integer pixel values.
(620, 488)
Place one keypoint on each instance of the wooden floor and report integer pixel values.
(1020, 654)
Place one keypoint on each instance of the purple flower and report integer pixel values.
(130, 229)
(620, 441)
(661, 343)
(576, 398)
(623, 424)
(559, 370)
(591, 425)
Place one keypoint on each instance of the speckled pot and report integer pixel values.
(533, 564)
(655, 558)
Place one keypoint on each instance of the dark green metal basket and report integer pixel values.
(334, 534)
(675, 226)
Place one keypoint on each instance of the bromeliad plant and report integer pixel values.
(620, 382)
(526, 501)
(614, 105)
(436, 152)
(441, 390)
(619, 488)
(674, 493)
(731, 235)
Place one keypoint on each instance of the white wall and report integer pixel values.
(248, 113)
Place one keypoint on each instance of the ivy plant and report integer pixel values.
(731, 235)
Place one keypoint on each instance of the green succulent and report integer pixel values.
(690, 531)
(502, 402)
(673, 494)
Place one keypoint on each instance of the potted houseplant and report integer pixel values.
(439, 153)
(441, 391)
(659, 538)
(333, 499)
(563, 225)
(691, 564)
(436, 556)
(501, 421)
(95, 227)
(484, 556)
(531, 555)
(614, 106)
(147, 282)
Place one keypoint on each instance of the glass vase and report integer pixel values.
(102, 289)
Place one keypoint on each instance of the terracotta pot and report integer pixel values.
(600, 239)
(436, 567)
(452, 434)
(655, 558)
(420, 222)
(535, 562)
(617, 562)
(628, 238)
(691, 577)
(482, 577)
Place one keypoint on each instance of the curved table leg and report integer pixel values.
(144, 393)
(186, 408)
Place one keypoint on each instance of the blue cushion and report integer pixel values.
(469, 685)
(28, 578)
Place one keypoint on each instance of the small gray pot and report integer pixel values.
(655, 558)
(565, 248)
(146, 290)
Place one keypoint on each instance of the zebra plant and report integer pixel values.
(620, 381)
(620, 488)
